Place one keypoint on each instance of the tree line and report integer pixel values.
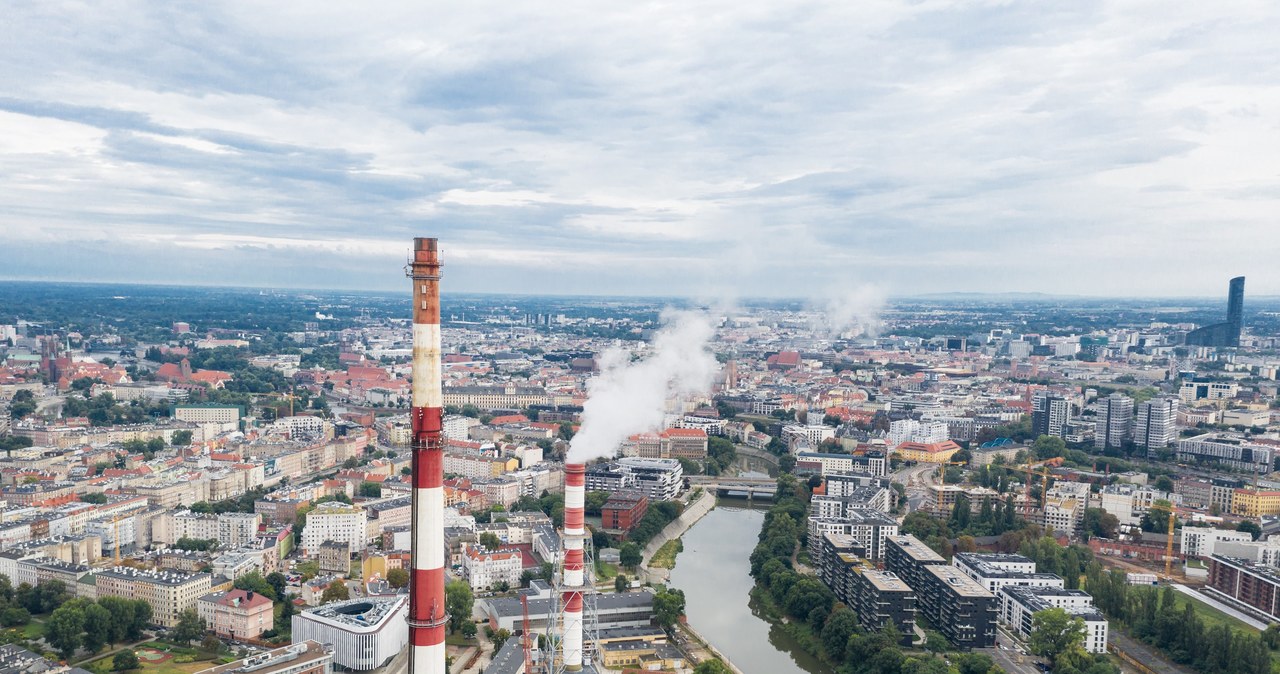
(1154, 616)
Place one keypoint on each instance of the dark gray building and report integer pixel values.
(953, 603)
(1224, 334)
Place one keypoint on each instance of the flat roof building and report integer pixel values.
(365, 633)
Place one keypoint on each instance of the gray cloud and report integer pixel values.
(707, 149)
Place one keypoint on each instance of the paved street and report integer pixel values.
(916, 479)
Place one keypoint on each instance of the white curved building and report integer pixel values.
(365, 633)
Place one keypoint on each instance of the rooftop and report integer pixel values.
(278, 659)
(959, 583)
(162, 577)
(885, 581)
(916, 550)
(368, 612)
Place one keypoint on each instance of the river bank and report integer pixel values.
(713, 571)
(695, 510)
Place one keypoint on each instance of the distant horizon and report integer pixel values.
(957, 294)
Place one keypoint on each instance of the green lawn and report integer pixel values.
(605, 571)
(1211, 616)
(665, 557)
(33, 630)
(456, 639)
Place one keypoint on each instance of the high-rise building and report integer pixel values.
(1049, 415)
(1224, 334)
(1156, 423)
(1115, 422)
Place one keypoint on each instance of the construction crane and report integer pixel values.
(525, 641)
(1168, 549)
(1026, 495)
(942, 469)
(115, 534)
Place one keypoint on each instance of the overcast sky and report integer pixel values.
(692, 148)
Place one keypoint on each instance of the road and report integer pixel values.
(1009, 659)
(1144, 654)
(916, 479)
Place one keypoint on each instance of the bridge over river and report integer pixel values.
(723, 485)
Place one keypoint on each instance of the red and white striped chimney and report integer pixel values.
(575, 479)
(426, 587)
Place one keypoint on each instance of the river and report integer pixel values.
(714, 571)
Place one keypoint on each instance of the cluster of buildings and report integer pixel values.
(963, 600)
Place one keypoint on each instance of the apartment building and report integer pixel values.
(333, 521)
(236, 614)
(484, 569)
(168, 592)
(1019, 604)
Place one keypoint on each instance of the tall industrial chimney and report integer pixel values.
(426, 587)
(575, 477)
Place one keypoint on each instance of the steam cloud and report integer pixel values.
(629, 397)
(852, 311)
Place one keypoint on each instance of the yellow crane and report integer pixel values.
(1168, 549)
(1044, 489)
(115, 535)
(942, 469)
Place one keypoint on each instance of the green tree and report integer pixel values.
(189, 628)
(835, 634)
(97, 629)
(337, 591)
(1156, 519)
(180, 438)
(1100, 523)
(278, 583)
(370, 490)
(713, 666)
(668, 606)
(975, 663)
(629, 555)
(1251, 527)
(64, 628)
(15, 616)
(254, 582)
(490, 541)
(139, 620)
(398, 578)
(1053, 631)
(619, 583)
(125, 660)
(1049, 446)
(468, 629)
(458, 603)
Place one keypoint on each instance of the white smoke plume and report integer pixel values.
(851, 311)
(629, 397)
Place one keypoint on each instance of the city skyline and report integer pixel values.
(725, 150)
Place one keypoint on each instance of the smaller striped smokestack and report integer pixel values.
(575, 480)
